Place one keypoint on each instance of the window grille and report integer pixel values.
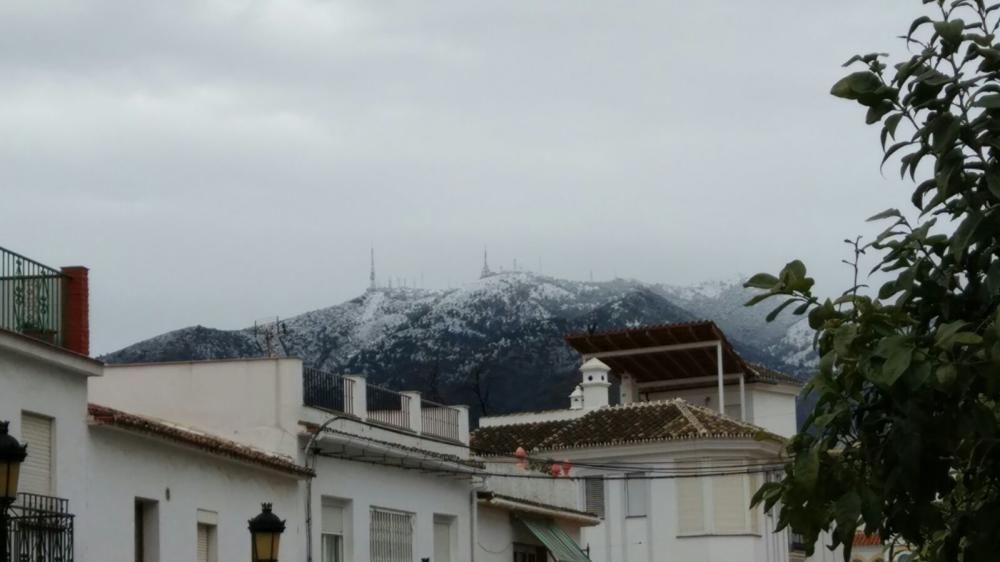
(391, 536)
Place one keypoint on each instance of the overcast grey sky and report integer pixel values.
(217, 162)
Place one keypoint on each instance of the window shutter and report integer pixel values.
(730, 503)
(593, 491)
(690, 506)
(36, 472)
(636, 495)
(203, 543)
(333, 519)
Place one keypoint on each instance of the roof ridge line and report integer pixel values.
(683, 408)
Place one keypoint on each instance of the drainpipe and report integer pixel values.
(309, 489)
(474, 518)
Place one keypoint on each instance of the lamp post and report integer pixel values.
(265, 534)
(12, 454)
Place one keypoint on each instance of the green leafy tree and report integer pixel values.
(904, 440)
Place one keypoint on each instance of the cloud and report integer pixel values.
(216, 162)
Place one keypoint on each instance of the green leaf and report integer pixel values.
(946, 374)
(950, 31)
(962, 238)
(847, 511)
(774, 313)
(916, 25)
(761, 281)
(991, 101)
(944, 333)
(945, 130)
(855, 85)
(843, 338)
(993, 180)
(877, 111)
(898, 353)
(885, 214)
(807, 469)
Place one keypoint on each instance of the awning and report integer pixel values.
(560, 545)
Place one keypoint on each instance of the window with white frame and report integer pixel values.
(636, 494)
(208, 547)
(717, 505)
(391, 536)
(332, 538)
(593, 495)
(36, 472)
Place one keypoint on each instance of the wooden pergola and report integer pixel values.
(697, 352)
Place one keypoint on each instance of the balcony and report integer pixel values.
(40, 529)
(408, 411)
(31, 298)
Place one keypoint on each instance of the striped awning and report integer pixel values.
(561, 546)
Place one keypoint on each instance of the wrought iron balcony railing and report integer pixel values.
(31, 297)
(39, 529)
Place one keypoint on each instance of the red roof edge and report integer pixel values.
(195, 438)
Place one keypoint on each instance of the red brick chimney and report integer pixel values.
(76, 309)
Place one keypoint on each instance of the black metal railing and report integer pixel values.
(328, 391)
(31, 297)
(388, 407)
(797, 542)
(439, 420)
(39, 529)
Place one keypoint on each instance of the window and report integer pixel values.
(690, 506)
(529, 553)
(391, 536)
(36, 472)
(636, 494)
(719, 505)
(207, 536)
(593, 495)
(332, 540)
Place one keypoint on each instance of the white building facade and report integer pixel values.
(668, 473)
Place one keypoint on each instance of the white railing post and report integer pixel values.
(358, 396)
(415, 408)
(463, 423)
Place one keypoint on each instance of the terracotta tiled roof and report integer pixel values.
(770, 375)
(639, 422)
(195, 438)
(861, 539)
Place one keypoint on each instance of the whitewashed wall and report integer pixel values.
(497, 534)
(253, 401)
(560, 492)
(774, 409)
(423, 494)
(124, 467)
(46, 382)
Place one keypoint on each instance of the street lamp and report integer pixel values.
(265, 532)
(12, 454)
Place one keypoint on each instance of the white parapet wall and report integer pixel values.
(257, 402)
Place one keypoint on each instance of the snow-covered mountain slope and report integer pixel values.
(488, 341)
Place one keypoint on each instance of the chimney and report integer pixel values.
(594, 383)
(576, 399)
(76, 309)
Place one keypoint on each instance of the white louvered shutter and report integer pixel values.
(690, 506)
(36, 472)
(730, 503)
(593, 492)
(203, 532)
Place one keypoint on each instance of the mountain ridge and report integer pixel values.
(485, 342)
